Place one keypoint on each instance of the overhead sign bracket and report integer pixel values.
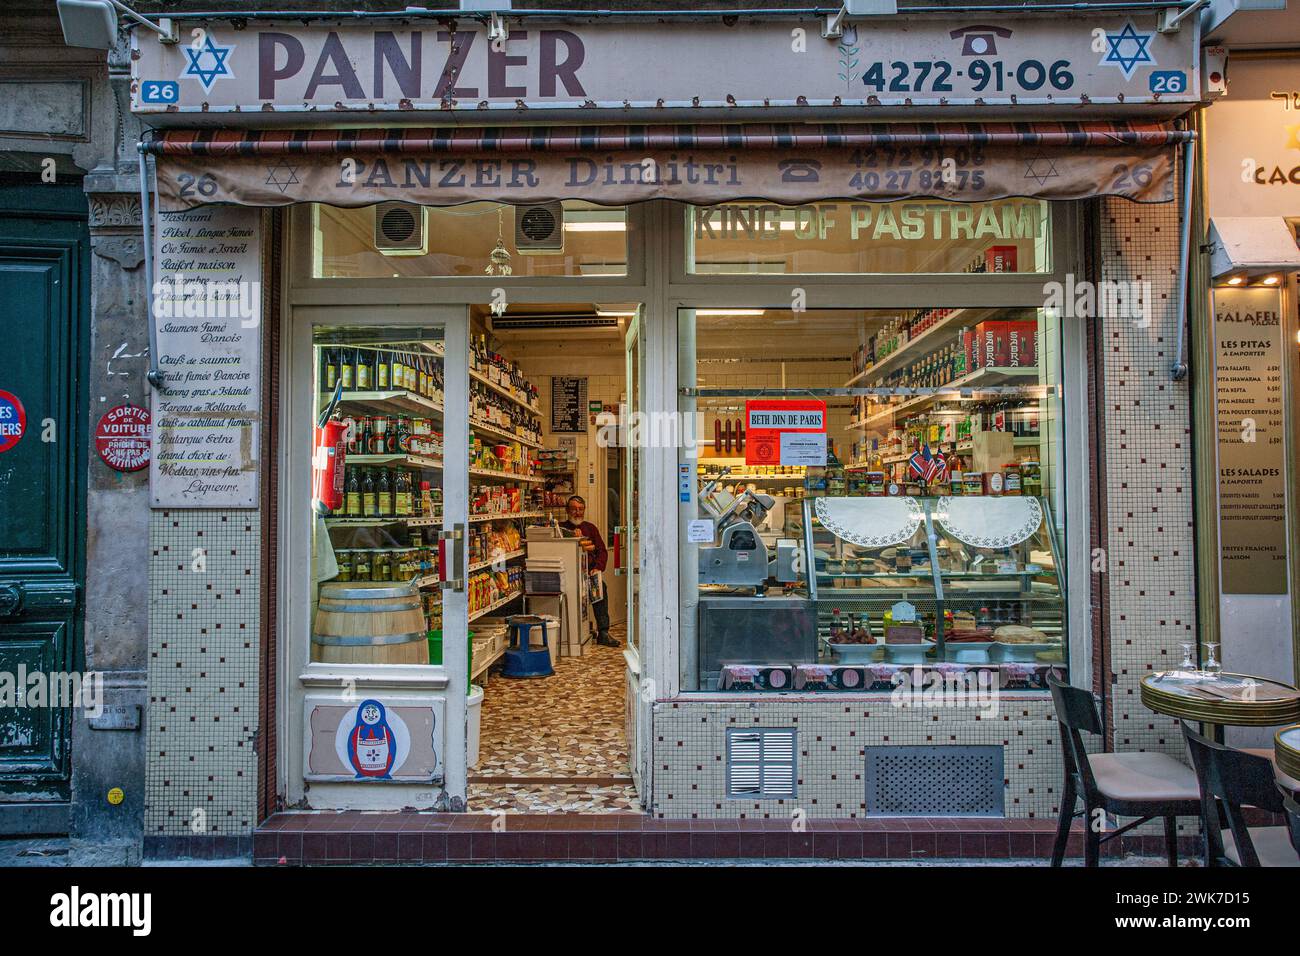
(1170, 18)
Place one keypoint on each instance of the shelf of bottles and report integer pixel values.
(503, 403)
(942, 375)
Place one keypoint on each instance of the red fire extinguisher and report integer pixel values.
(329, 454)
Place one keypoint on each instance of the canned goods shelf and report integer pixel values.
(505, 475)
(500, 602)
(505, 515)
(482, 565)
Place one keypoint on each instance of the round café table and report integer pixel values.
(1226, 700)
(1286, 751)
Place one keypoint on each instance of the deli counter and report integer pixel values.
(857, 588)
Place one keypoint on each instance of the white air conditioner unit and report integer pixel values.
(401, 229)
(539, 230)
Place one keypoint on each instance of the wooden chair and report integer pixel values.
(1143, 785)
(1229, 780)
(1292, 819)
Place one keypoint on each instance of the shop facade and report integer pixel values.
(766, 248)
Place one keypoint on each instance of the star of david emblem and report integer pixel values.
(1040, 169)
(1126, 50)
(207, 63)
(282, 176)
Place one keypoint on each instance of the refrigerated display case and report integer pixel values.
(952, 583)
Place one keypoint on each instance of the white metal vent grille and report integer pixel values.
(935, 781)
(761, 763)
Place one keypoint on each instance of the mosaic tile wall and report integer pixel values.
(690, 752)
(203, 671)
(1150, 560)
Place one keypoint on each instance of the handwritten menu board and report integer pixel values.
(207, 303)
(568, 403)
(1252, 459)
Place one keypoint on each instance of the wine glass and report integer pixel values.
(1186, 669)
(1212, 666)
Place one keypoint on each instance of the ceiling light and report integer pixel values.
(718, 312)
(620, 226)
(1236, 280)
(1271, 280)
(606, 314)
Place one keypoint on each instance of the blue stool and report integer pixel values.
(520, 659)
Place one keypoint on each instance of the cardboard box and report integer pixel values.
(991, 450)
(1003, 343)
(1000, 259)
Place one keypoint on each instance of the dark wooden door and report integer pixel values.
(44, 313)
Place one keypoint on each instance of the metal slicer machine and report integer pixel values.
(738, 556)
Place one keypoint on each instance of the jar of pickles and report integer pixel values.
(381, 566)
(360, 565)
(344, 561)
(973, 481)
(1031, 479)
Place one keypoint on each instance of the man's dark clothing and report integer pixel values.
(596, 563)
(596, 560)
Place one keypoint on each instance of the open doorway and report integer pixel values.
(552, 729)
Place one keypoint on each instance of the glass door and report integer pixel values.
(386, 680)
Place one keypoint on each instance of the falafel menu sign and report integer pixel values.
(207, 305)
(448, 64)
(1252, 429)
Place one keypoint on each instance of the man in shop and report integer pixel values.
(576, 507)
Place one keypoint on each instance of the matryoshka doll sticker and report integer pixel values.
(372, 746)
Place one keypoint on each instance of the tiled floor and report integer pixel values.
(556, 744)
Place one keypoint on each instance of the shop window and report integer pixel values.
(761, 763)
(374, 559)
(872, 500)
(861, 238)
(400, 240)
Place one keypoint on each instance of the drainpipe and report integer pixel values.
(155, 376)
(1179, 370)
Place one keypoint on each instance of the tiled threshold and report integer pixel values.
(352, 837)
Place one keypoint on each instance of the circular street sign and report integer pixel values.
(122, 438)
(13, 420)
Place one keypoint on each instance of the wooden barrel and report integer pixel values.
(369, 624)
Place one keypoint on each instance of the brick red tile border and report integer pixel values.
(354, 837)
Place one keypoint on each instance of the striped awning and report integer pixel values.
(698, 163)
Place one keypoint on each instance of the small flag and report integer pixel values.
(918, 463)
(939, 466)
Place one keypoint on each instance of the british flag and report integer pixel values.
(927, 467)
(938, 469)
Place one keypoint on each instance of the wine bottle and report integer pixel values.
(384, 495)
(363, 369)
(369, 506)
(346, 370)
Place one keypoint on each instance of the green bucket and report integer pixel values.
(435, 651)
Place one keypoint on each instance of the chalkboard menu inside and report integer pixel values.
(1251, 425)
(568, 403)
